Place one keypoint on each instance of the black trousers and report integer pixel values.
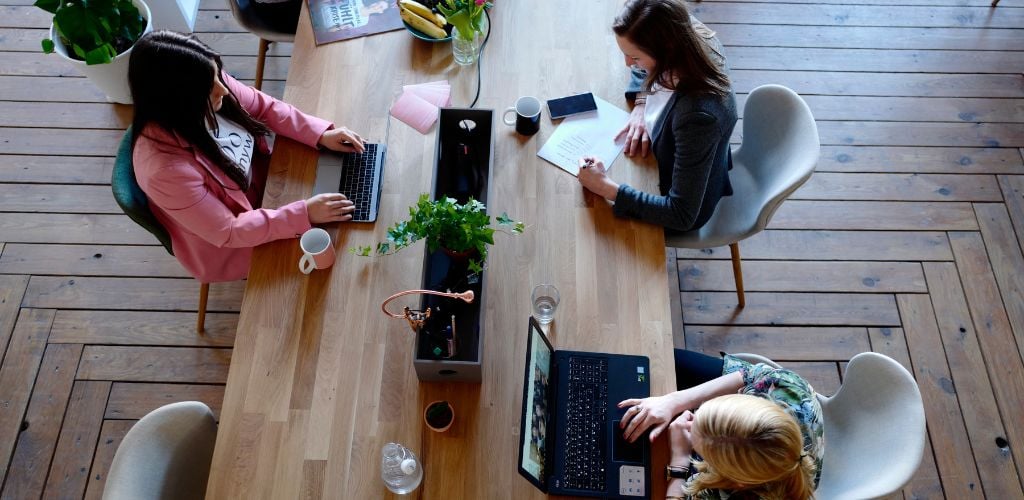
(694, 368)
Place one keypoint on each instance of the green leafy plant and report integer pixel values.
(466, 15)
(94, 31)
(444, 223)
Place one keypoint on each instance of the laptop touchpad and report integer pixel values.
(624, 451)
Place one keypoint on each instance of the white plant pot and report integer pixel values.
(111, 78)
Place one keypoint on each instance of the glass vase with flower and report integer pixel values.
(469, 27)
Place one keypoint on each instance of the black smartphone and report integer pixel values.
(566, 106)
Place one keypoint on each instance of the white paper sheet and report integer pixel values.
(590, 134)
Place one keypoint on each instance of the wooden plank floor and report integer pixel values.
(907, 241)
(97, 323)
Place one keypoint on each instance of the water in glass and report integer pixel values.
(545, 301)
(544, 309)
(465, 51)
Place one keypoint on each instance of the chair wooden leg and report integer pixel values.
(737, 273)
(260, 59)
(995, 2)
(204, 292)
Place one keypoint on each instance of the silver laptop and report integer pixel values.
(355, 175)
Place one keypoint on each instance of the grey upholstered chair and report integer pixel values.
(874, 428)
(165, 456)
(779, 151)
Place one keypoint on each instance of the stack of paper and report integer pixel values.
(586, 134)
(418, 105)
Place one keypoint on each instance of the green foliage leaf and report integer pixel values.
(80, 26)
(105, 24)
(48, 46)
(461, 20)
(515, 226)
(48, 5)
(103, 4)
(100, 55)
(131, 22)
(363, 251)
(94, 30)
(446, 224)
(78, 51)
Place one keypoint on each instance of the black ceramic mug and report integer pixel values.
(527, 111)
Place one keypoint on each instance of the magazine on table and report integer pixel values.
(335, 20)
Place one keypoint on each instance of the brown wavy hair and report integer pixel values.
(750, 444)
(171, 77)
(662, 29)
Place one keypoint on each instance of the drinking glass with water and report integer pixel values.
(545, 301)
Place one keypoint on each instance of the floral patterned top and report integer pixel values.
(788, 390)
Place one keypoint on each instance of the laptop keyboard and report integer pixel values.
(585, 434)
(357, 175)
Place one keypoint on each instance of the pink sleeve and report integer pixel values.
(279, 116)
(178, 188)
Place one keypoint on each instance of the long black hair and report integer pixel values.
(662, 29)
(171, 78)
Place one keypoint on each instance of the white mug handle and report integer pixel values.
(504, 117)
(306, 264)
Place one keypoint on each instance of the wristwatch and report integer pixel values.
(676, 472)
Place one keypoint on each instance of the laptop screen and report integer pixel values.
(536, 398)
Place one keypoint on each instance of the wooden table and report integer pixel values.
(320, 379)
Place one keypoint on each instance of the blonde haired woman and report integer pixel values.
(749, 447)
(754, 431)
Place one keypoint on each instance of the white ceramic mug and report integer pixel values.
(317, 250)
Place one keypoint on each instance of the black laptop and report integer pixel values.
(570, 442)
(358, 176)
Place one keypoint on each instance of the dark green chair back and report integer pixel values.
(129, 195)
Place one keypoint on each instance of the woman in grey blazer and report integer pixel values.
(685, 107)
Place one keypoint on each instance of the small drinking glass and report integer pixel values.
(545, 301)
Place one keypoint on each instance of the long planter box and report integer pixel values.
(462, 168)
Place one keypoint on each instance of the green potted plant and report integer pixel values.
(97, 37)
(463, 231)
(439, 416)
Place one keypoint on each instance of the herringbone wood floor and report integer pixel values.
(907, 240)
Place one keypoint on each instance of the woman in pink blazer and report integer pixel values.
(195, 133)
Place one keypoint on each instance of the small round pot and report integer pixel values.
(460, 256)
(427, 422)
(111, 78)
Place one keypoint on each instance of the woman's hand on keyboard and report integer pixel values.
(342, 139)
(641, 414)
(329, 207)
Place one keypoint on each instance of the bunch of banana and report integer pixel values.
(420, 16)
